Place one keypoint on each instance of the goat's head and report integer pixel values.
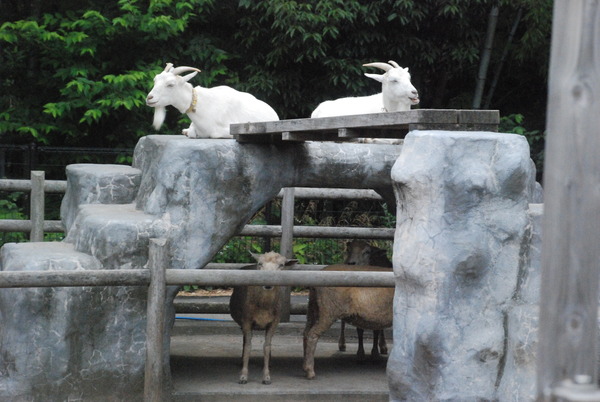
(170, 88)
(358, 252)
(271, 261)
(395, 83)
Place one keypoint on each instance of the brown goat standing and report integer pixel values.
(367, 308)
(258, 308)
(359, 252)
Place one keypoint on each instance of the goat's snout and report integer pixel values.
(415, 97)
(150, 100)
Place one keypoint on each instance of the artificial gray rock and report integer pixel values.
(97, 184)
(60, 344)
(518, 382)
(459, 250)
(205, 191)
(117, 235)
(197, 194)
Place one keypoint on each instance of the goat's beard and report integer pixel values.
(160, 112)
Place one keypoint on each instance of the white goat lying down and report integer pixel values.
(211, 110)
(397, 95)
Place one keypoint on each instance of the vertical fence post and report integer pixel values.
(37, 206)
(154, 381)
(567, 351)
(286, 249)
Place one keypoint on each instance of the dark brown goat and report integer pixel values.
(367, 308)
(359, 252)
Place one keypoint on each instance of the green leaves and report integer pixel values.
(80, 74)
(77, 74)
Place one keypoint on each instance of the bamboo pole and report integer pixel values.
(154, 381)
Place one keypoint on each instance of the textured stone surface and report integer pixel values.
(117, 235)
(205, 191)
(460, 247)
(97, 184)
(63, 344)
(89, 343)
(519, 371)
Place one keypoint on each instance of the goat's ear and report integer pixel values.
(255, 256)
(189, 76)
(376, 77)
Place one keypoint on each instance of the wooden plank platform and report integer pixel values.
(375, 125)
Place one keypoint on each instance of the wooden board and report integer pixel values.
(375, 125)
(568, 342)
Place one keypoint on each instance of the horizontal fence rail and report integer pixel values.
(19, 225)
(38, 183)
(156, 278)
(320, 232)
(202, 277)
(50, 186)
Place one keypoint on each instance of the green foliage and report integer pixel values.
(77, 74)
(514, 123)
(81, 76)
(9, 209)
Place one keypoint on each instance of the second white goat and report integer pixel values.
(211, 110)
(397, 94)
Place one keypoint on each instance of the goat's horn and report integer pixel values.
(183, 69)
(393, 63)
(168, 67)
(383, 66)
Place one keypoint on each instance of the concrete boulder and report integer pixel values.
(459, 252)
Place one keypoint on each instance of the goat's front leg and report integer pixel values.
(361, 349)
(190, 132)
(342, 340)
(269, 332)
(375, 350)
(310, 339)
(247, 348)
(383, 349)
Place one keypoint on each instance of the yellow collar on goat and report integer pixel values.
(192, 107)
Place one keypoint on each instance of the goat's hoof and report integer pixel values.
(267, 382)
(342, 348)
(310, 375)
(383, 351)
(243, 381)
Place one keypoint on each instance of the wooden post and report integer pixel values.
(286, 246)
(154, 381)
(37, 206)
(567, 352)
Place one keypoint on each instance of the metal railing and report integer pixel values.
(37, 225)
(157, 278)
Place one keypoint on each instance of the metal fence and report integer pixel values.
(157, 278)
(37, 225)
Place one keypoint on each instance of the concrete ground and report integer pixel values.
(206, 359)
